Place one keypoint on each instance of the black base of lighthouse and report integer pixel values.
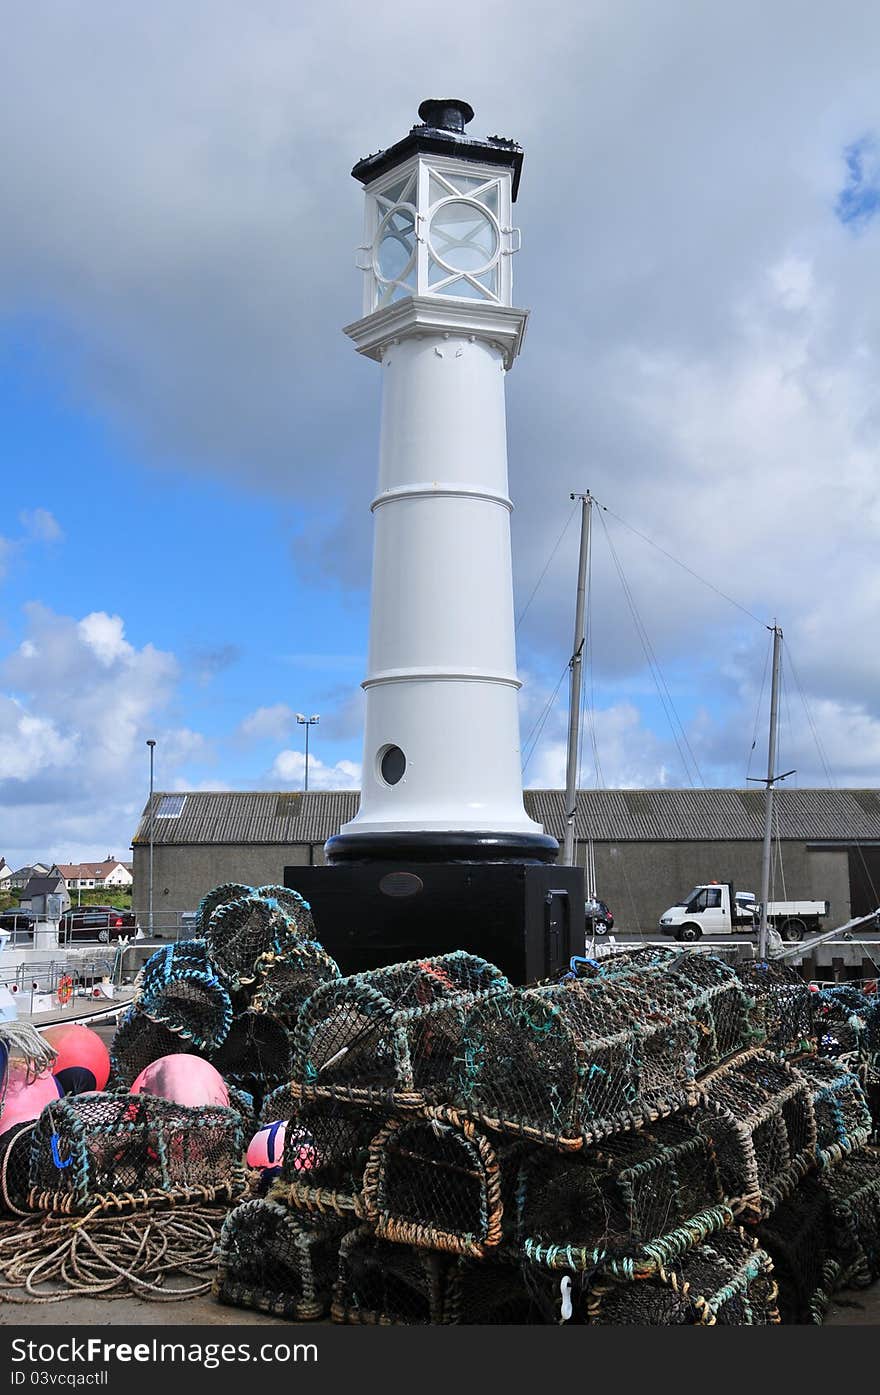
(525, 917)
(465, 846)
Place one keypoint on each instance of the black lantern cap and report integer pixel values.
(442, 133)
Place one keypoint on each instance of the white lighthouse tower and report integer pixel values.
(442, 773)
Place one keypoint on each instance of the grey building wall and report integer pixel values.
(638, 880)
(182, 875)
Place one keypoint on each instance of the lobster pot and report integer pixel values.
(386, 1285)
(240, 932)
(179, 989)
(294, 906)
(759, 1119)
(245, 1106)
(394, 1032)
(788, 1004)
(571, 1063)
(119, 1151)
(286, 978)
(138, 1041)
(326, 1151)
(15, 1164)
(435, 1183)
(219, 896)
(702, 987)
(798, 1239)
(841, 1016)
(843, 1119)
(627, 1206)
(854, 1193)
(726, 1281)
(275, 1262)
(498, 1291)
(256, 1051)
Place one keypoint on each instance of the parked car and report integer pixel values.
(598, 919)
(18, 923)
(102, 923)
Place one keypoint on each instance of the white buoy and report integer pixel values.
(441, 764)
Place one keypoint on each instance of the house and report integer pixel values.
(39, 888)
(85, 876)
(20, 879)
(5, 874)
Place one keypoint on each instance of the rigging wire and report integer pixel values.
(555, 549)
(684, 567)
(656, 673)
(538, 728)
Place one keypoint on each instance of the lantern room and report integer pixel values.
(438, 213)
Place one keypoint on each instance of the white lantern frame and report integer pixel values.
(414, 193)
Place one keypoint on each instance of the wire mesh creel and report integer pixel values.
(726, 1281)
(121, 1151)
(272, 1261)
(137, 1042)
(628, 1206)
(178, 988)
(759, 1117)
(435, 1183)
(570, 1064)
(381, 1284)
(843, 1118)
(728, 1017)
(241, 932)
(392, 1033)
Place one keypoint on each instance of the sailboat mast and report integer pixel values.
(768, 797)
(576, 665)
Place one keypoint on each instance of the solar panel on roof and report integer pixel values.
(171, 806)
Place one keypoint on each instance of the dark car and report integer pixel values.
(102, 923)
(18, 924)
(598, 919)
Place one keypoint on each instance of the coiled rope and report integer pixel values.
(46, 1259)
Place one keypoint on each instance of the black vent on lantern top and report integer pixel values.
(443, 133)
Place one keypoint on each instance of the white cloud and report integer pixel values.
(273, 723)
(42, 525)
(105, 636)
(288, 770)
(31, 744)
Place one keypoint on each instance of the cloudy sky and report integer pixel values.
(189, 442)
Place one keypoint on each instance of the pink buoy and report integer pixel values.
(266, 1149)
(185, 1079)
(25, 1099)
(81, 1057)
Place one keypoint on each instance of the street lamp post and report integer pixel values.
(306, 722)
(151, 745)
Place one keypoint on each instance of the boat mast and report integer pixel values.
(768, 798)
(576, 664)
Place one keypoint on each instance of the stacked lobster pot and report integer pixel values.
(824, 1235)
(231, 995)
(372, 1056)
(598, 1150)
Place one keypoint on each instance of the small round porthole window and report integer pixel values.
(392, 764)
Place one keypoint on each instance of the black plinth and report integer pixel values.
(528, 918)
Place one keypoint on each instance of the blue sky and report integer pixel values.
(189, 442)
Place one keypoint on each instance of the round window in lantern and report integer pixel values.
(394, 252)
(392, 764)
(464, 236)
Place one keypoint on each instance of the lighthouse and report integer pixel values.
(442, 843)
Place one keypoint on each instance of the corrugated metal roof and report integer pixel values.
(607, 816)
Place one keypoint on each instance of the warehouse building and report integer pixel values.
(649, 847)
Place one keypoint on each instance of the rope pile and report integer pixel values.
(46, 1259)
